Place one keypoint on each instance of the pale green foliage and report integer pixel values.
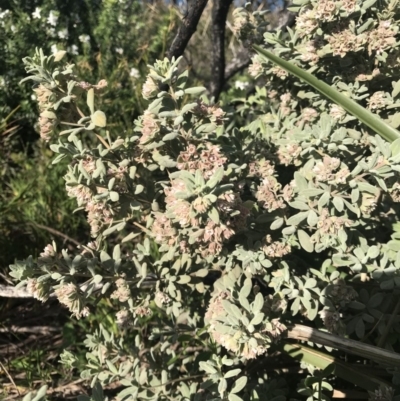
(210, 239)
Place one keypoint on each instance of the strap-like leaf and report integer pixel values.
(371, 120)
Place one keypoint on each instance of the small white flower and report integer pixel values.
(119, 50)
(63, 34)
(52, 19)
(84, 38)
(4, 13)
(241, 85)
(13, 28)
(134, 73)
(73, 50)
(36, 13)
(33, 97)
(54, 49)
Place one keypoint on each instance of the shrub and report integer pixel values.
(216, 243)
(91, 32)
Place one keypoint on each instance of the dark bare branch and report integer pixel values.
(219, 15)
(187, 29)
(240, 62)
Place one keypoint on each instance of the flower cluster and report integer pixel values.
(306, 22)
(325, 10)
(40, 290)
(207, 160)
(248, 334)
(70, 296)
(99, 213)
(326, 171)
(122, 293)
(345, 41)
(382, 37)
(208, 219)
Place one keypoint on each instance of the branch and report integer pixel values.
(43, 330)
(7, 291)
(187, 29)
(56, 232)
(240, 62)
(219, 16)
(243, 58)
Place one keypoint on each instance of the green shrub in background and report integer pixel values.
(222, 248)
(105, 38)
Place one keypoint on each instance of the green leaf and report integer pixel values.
(90, 100)
(305, 241)
(188, 107)
(239, 384)
(395, 146)
(299, 205)
(222, 386)
(277, 223)
(232, 373)
(207, 368)
(214, 215)
(301, 182)
(257, 319)
(234, 397)
(296, 219)
(114, 196)
(99, 119)
(367, 4)
(184, 279)
(343, 370)
(312, 218)
(373, 121)
(59, 55)
(170, 136)
(338, 203)
(258, 303)
(195, 90)
(216, 178)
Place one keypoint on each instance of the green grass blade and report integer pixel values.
(367, 351)
(343, 370)
(371, 120)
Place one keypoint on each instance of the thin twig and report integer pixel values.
(56, 232)
(65, 387)
(180, 379)
(9, 376)
(33, 329)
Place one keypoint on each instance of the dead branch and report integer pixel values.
(187, 29)
(219, 16)
(43, 330)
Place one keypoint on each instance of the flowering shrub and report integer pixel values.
(213, 241)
